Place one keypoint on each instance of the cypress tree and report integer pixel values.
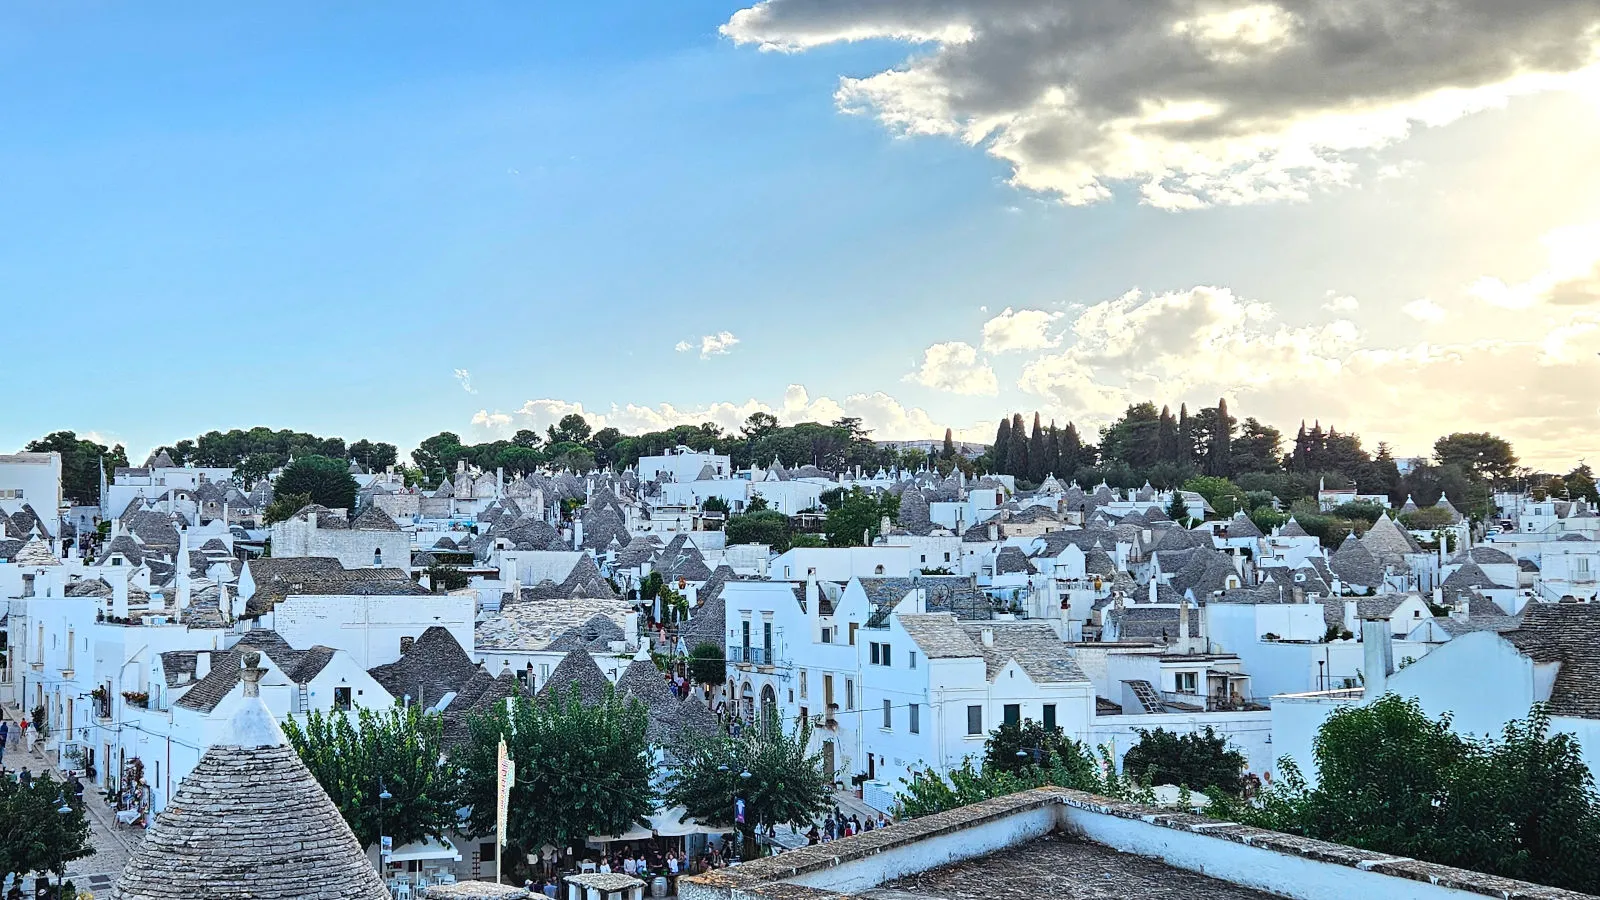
(1002, 446)
(1071, 450)
(949, 444)
(1052, 451)
(1185, 449)
(1220, 454)
(1036, 452)
(1017, 453)
(1167, 437)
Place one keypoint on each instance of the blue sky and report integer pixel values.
(311, 216)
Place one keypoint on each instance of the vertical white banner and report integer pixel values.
(506, 776)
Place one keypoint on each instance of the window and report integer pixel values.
(915, 720)
(805, 713)
(877, 570)
(872, 652)
(1049, 716)
(377, 556)
(766, 639)
(1013, 714)
(852, 634)
(1185, 682)
(746, 642)
(912, 656)
(827, 635)
(924, 557)
(888, 715)
(886, 659)
(947, 557)
(341, 698)
(802, 684)
(974, 720)
(849, 694)
(486, 852)
(406, 642)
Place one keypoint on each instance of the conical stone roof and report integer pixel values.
(250, 822)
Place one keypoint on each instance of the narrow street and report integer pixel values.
(112, 842)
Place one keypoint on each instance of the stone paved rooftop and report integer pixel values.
(1061, 867)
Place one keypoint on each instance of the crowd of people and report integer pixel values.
(838, 825)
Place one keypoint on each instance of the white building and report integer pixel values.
(33, 479)
(683, 464)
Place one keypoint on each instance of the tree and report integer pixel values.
(759, 425)
(1052, 451)
(764, 526)
(1002, 446)
(395, 749)
(715, 505)
(374, 457)
(949, 444)
(1480, 454)
(445, 579)
(572, 429)
(1017, 747)
(327, 480)
(34, 835)
(1199, 762)
(81, 464)
(283, 506)
(859, 515)
(1579, 484)
(1178, 510)
(708, 664)
(786, 783)
(1167, 437)
(1256, 448)
(1219, 448)
(1428, 518)
(1017, 450)
(1036, 452)
(582, 769)
(1223, 495)
(1134, 439)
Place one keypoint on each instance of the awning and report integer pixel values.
(665, 823)
(427, 848)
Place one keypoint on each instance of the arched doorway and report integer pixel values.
(769, 703)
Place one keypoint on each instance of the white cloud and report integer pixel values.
(1424, 310)
(1340, 303)
(885, 416)
(1023, 329)
(492, 425)
(954, 366)
(465, 377)
(1224, 102)
(718, 344)
(1570, 278)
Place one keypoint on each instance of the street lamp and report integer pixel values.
(65, 809)
(383, 795)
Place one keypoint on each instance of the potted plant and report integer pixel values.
(857, 781)
(139, 699)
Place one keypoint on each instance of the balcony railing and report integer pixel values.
(755, 656)
(1208, 702)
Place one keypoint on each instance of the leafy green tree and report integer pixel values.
(1134, 439)
(569, 455)
(765, 526)
(715, 505)
(436, 456)
(374, 457)
(1480, 454)
(1428, 518)
(581, 769)
(1579, 484)
(1177, 510)
(327, 480)
(1361, 510)
(759, 425)
(445, 579)
(708, 664)
(572, 429)
(859, 513)
(1223, 495)
(34, 835)
(1017, 449)
(786, 784)
(396, 749)
(1199, 762)
(283, 506)
(929, 792)
(81, 461)
(1027, 745)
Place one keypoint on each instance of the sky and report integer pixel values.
(390, 220)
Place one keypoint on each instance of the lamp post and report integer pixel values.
(383, 795)
(64, 809)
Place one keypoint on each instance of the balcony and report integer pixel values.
(750, 656)
(1182, 702)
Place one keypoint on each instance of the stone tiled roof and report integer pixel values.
(1565, 633)
(374, 519)
(36, 553)
(938, 635)
(224, 676)
(1240, 526)
(1355, 564)
(1036, 648)
(577, 668)
(1483, 555)
(1292, 528)
(595, 636)
(249, 822)
(531, 624)
(434, 665)
(682, 559)
(1011, 560)
(1099, 562)
(1389, 543)
(709, 622)
(1470, 577)
(326, 518)
(1147, 623)
(321, 575)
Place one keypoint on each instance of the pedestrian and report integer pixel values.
(883, 821)
(5, 732)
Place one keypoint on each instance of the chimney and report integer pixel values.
(1183, 625)
(119, 594)
(499, 482)
(202, 664)
(988, 637)
(994, 532)
(1152, 589)
(1203, 613)
(1462, 610)
(251, 674)
(1438, 594)
(1377, 644)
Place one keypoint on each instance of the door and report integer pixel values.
(827, 696)
(827, 759)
